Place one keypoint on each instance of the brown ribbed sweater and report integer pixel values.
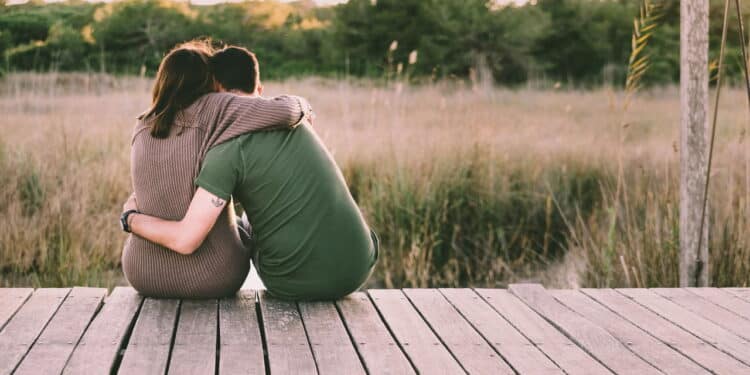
(163, 173)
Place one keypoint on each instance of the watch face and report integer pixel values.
(122, 222)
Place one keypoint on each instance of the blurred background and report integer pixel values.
(487, 142)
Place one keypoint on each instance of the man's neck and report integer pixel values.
(244, 93)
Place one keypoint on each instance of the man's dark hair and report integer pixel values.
(236, 68)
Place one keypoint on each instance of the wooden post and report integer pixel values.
(694, 132)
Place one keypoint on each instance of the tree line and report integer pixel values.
(581, 42)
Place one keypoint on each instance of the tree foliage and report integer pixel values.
(581, 42)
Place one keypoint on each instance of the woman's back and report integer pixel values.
(163, 170)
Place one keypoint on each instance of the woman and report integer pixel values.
(185, 120)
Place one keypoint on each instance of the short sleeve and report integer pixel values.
(219, 173)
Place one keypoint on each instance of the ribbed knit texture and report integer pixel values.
(163, 172)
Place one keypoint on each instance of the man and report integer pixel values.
(310, 241)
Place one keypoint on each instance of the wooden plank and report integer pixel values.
(664, 330)
(709, 310)
(333, 349)
(466, 344)
(516, 349)
(594, 339)
(376, 346)
(743, 293)
(97, 351)
(194, 349)
(23, 329)
(11, 299)
(151, 341)
(240, 342)
(724, 299)
(52, 349)
(423, 348)
(288, 348)
(571, 358)
(644, 345)
(710, 332)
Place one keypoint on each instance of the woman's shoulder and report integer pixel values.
(216, 99)
(207, 108)
(142, 124)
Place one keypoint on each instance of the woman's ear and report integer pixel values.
(260, 89)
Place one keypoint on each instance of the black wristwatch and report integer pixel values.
(124, 220)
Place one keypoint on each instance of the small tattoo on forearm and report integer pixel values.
(217, 202)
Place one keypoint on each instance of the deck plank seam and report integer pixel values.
(707, 342)
(627, 344)
(174, 335)
(668, 344)
(566, 334)
(532, 342)
(33, 342)
(351, 338)
(13, 314)
(217, 349)
(738, 294)
(307, 336)
(477, 330)
(745, 339)
(126, 338)
(390, 331)
(433, 330)
(80, 337)
(262, 328)
(720, 290)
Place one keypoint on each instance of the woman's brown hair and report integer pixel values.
(184, 76)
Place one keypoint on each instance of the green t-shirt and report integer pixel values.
(311, 240)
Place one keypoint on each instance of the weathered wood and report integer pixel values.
(97, 351)
(11, 299)
(23, 329)
(677, 331)
(597, 341)
(51, 351)
(641, 343)
(743, 293)
(333, 349)
(194, 348)
(571, 358)
(516, 349)
(708, 310)
(466, 344)
(724, 299)
(288, 348)
(376, 346)
(710, 332)
(670, 334)
(423, 348)
(149, 346)
(240, 340)
(694, 140)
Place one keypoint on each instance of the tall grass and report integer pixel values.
(464, 186)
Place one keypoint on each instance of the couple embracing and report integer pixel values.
(210, 138)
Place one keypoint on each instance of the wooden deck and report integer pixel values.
(525, 329)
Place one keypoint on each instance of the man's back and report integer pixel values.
(309, 235)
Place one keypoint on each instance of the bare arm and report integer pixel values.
(186, 235)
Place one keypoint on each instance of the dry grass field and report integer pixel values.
(466, 187)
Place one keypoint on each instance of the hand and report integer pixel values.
(130, 204)
(311, 117)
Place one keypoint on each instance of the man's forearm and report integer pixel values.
(163, 232)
